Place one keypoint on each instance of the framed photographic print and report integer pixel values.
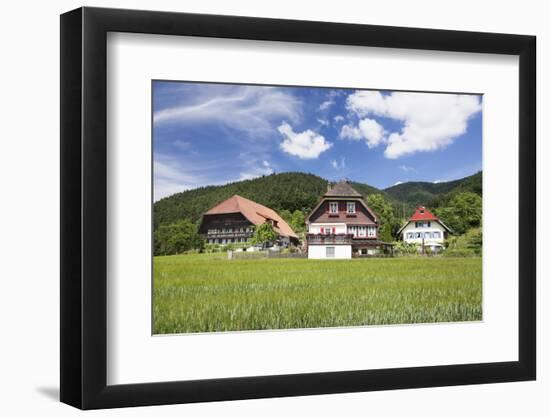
(258, 207)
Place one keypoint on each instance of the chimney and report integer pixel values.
(328, 186)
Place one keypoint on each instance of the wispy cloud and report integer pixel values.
(324, 122)
(406, 168)
(252, 110)
(339, 118)
(430, 121)
(173, 174)
(327, 104)
(170, 179)
(304, 145)
(338, 165)
(257, 170)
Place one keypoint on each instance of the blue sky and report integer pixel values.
(211, 134)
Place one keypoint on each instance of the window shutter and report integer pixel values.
(334, 230)
(322, 230)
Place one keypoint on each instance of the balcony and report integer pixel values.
(228, 235)
(332, 239)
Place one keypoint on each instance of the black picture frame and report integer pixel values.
(84, 207)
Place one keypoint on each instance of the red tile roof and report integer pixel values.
(422, 213)
(254, 212)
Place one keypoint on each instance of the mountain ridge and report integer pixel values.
(301, 191)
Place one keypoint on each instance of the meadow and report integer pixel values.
(209, 293)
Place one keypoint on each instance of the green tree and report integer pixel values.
(286, 215)
(298, 221)
(263, 234)
(177, 237)
(384, 210)
(463, 212)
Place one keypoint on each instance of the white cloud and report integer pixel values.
(250, 109)
(304, 145)
(368, 129)
(398, 182)
(324, 122)
(430, 121)
(437, 181)
(338, 165)
(339, 118)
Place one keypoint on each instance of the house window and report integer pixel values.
(352, 230)
(410, 235)
(427, 235)
(333, 207)
(362, 231)
(371, 231)
(351, 206)
(418, 235)
(330, 252)
(437, 235)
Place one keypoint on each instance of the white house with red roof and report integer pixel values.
(425, 229)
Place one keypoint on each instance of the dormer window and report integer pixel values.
(333, 207)
(351, 206)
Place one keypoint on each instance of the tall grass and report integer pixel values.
(207, 293)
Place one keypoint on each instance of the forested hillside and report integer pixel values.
(294, 195)
(299, 191)
(287, 191)
(433, 195)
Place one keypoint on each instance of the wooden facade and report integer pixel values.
(343, 223)
(234, 220)
(226, 228)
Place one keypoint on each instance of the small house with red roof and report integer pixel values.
(234, 220)
(425, 229)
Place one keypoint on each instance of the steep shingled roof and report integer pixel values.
(342, 189)
(254, 212)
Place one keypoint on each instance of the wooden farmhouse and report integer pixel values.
(425, 229)
(342, 226)
(234, 220)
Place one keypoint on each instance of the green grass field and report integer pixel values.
(207, 293)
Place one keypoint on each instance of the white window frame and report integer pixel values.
(371, 231)
(331, 209)
(437, 235)
(350, 204)
(333, 249)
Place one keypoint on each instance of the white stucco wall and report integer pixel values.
(319, 251)
(316, 227)
(434, 227)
